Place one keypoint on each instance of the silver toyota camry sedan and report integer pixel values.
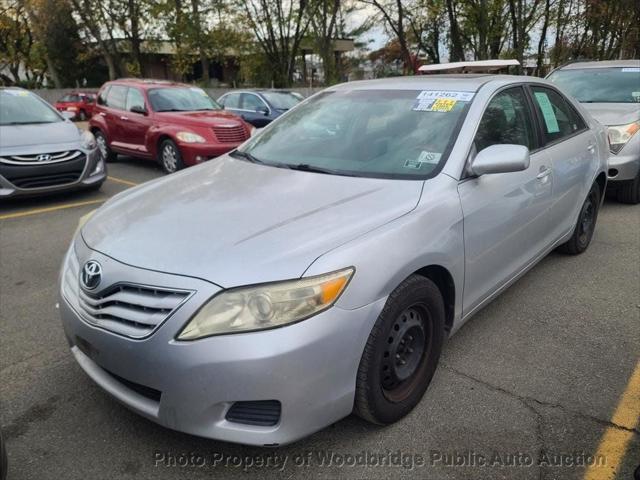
(317, 270)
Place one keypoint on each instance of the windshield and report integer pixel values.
(600, 85)
(367, 133)
(19, 107)
(187, 99)
(281, 100)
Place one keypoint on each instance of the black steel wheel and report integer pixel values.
(402, 352)
(586, 225)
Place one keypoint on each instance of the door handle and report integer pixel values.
(592, 148)
(544, 172)
(124, 118)
(102, 114)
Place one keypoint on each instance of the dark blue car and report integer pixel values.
(259, 107)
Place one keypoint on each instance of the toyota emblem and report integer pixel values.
(91, 275)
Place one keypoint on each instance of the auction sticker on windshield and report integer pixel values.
(453, 95)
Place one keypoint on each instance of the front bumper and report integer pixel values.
(309, 367)
(194, 153)
(85, 177)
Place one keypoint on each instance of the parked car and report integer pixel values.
(610, 91)
(259, 107)
(41, 151)
(80, 104)
(176, 124)
(310, 274)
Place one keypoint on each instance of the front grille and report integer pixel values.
(264, 413)
(131, 310)
(32, 174)
(127, 309)
(41, 158)
(233, 134)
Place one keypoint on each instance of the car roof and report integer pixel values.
(146, 83)
(600, 64)
(467, 82)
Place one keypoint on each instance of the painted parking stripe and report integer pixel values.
(615, 441)
(122, 181)
(51, 209)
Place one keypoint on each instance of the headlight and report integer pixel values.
(189, 137)
(619, 135)
(87, 140)
(84, 219)
(72, 109)
(266, 306)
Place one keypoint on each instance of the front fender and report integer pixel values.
(432, 234)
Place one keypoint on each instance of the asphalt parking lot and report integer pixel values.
(547, 373)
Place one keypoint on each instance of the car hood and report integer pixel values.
(18, 136)
(202, 118)
(614, 113)
(236, 223)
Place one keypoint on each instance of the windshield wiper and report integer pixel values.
(305, 167)
(246, 156)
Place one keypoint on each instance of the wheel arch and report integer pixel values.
(445, 283)
(601, 180)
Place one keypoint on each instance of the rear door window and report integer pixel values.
(559, 119)
(117, 97)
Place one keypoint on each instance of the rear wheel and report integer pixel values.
(103, 147)
(629, 192)
(170, 157)
(402, 352)
(583, 231)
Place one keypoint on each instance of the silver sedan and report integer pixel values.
(317, 270)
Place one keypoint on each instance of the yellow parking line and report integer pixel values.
(615, 441)
(120, 180)
(50, 209)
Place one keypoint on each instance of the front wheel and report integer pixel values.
(103, 147)
(583, 231)
(170, 157)
(402, 352)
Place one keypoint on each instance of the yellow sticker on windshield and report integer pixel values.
(443, 105)
(434, 105)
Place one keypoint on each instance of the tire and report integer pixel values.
(105, 152)
(629, 192)
(82, 116)
(586, 224)
(170, 157)
(388, 390)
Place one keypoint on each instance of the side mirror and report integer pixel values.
(500, 159)
(263, 110)
(68, 115)
(138, 109)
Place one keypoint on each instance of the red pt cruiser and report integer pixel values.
(176, 124)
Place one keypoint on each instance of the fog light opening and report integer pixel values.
(613, 172)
